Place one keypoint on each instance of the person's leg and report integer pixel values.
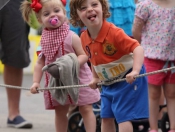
(61, 120)
(72, 109)
(108, 124)
(154, 97)
(125, 127)
(14, 54)
(88, 117)
(13, 76)
(169, 91)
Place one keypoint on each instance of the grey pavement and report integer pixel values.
(31, 107)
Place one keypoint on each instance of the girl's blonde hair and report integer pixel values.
(27, 10)
(76, 4)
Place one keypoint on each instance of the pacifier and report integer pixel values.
(53, 21)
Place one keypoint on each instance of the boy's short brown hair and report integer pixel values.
(76, 4)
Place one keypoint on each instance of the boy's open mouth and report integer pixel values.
(91, 17)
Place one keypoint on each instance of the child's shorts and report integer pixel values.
(160, 78)
(124, 101)
(14, 43)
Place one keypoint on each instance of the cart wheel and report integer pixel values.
(73, 123)
(76, 118)
(165, 124)
(140, 125)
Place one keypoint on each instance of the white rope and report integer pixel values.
(14, 87)
(86, 85)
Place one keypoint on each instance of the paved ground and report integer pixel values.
(32, 108)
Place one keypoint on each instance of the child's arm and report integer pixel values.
(137, 28)
(76, 43)
(138, 55)
(37, 75)
(95, 80)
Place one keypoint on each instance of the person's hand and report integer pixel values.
(93, 83)
(34, 88)
(130, 78)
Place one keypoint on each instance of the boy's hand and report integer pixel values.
(93, 83)
(130, 78)
(34, 88)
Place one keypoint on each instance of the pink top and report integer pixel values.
(158, 35)
(86, 94)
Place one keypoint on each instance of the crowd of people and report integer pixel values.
(120, 39)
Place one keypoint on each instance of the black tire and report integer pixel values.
(73, 123)
(98, 121)
(136, 124)
(116, 126)
(74, 120)
(165, 124)
(144, 123)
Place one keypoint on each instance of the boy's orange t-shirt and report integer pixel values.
(111, 52)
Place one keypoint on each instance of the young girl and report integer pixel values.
(56, 41)
(113, 54)
(154, 27)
